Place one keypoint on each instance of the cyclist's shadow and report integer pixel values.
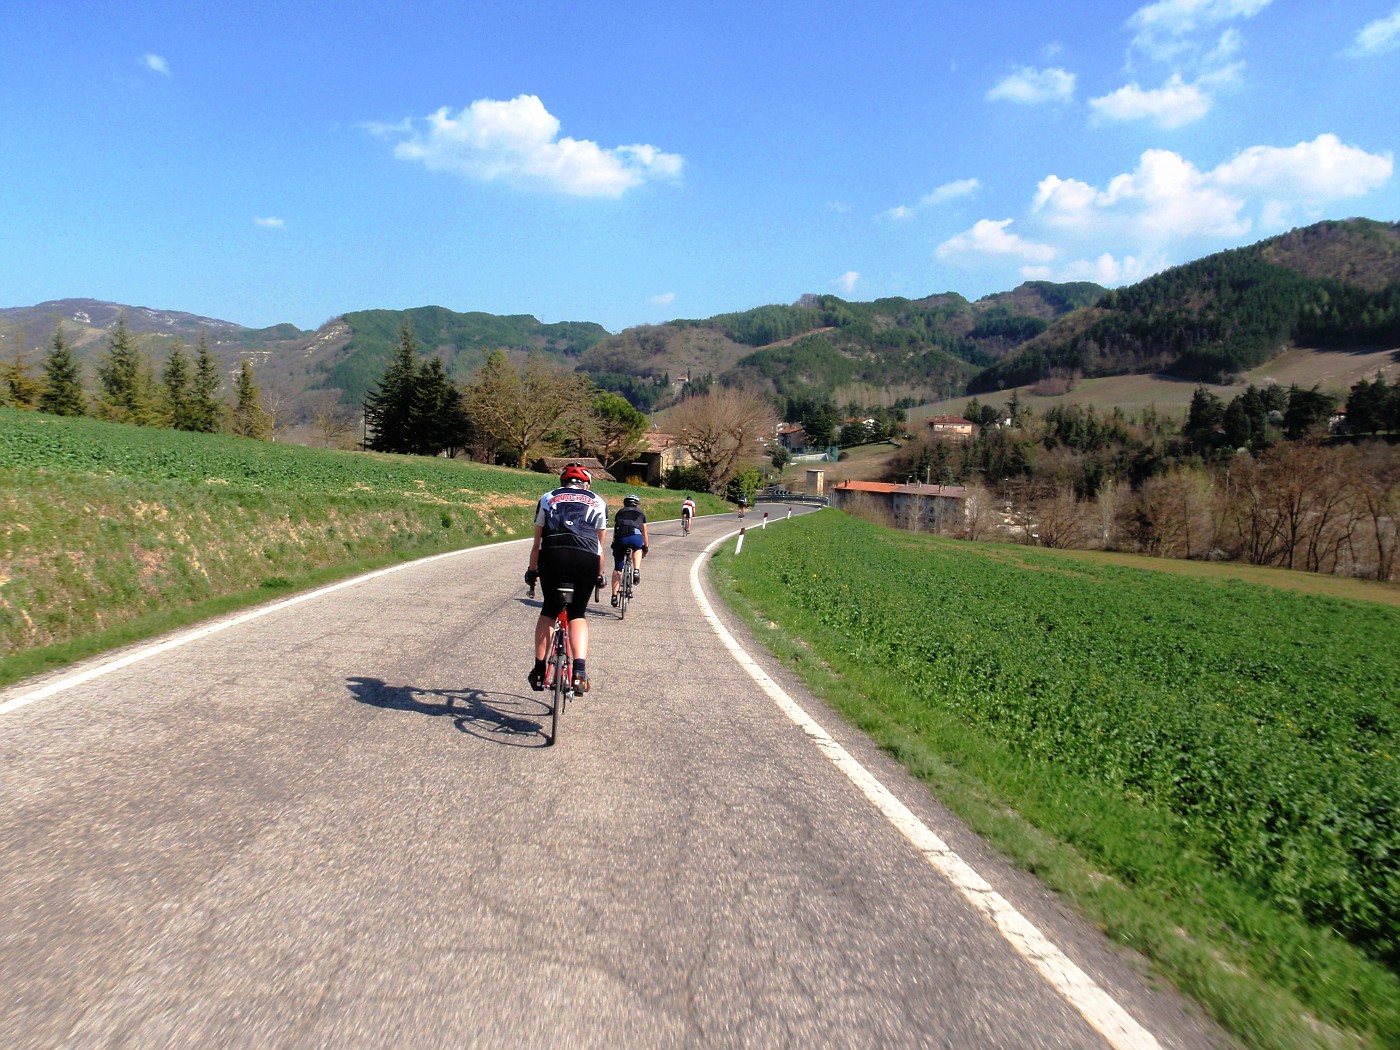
(501, 718)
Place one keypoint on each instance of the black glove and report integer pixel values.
(645, 548)
(530, 577)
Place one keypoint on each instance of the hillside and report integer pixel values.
(1334, 284)
(824, 345)
(1333, 371)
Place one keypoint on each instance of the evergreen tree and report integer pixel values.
(389, 407)
(437, 418)
(204, 407)
(20, 389)
(124, 378)
(1366, 403)
(176, 386)
(1308, 412)
(250, 419)
(1207, 412)
(63, 388)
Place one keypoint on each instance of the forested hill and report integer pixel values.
(923, 347)
(355, 362)
(1334, 284)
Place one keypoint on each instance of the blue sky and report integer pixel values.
(630, 163)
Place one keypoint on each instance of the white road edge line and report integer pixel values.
(69, 682)
(1113, 1022)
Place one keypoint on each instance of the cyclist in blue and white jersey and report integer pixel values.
(571, 523)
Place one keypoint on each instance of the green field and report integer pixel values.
(1329, 370)
(112, 533)
(1210, 768)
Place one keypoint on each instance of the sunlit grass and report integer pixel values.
(110, 533)
(1207, 767)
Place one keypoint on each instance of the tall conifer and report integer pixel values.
(63, 388)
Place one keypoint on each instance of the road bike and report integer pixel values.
(624, 590)
(559, 663)
(685, 524)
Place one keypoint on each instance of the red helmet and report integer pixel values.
(575, 472)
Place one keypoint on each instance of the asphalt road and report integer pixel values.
(337, 823)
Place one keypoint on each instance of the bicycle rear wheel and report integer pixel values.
(624, 592)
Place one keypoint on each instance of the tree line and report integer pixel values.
(1207, 320)
(184, 395)
(1261, 479)
(503, 414)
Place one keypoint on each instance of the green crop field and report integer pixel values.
(112, 533)
(1218, 761)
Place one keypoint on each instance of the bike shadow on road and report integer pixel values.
(501, 718)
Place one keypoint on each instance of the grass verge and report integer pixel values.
(1206, 769)
(112, 534)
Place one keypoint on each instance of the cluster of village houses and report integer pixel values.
(919, 504)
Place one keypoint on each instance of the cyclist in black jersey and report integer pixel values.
(570, 525)
(629, 532)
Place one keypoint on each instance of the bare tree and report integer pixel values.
(1061, 520)
(1378, 493)
(980, 517)
(335, 424)
(517, 413)
(724, 430)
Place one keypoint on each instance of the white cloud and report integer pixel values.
(1378, 37)
(991, 237)
(268, 221)
(1167, 208)
(947, 192)
(664, 299)
(155, 64)
(1170, 30)
(1109, 270)
(1034, 86)
(1165, 198)
(1309, 173)
(518, 142)
(1172, 105)
(950, 191)
(847, 282)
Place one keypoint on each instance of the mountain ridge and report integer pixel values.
(1335, 282)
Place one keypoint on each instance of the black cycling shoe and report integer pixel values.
(614, 601)
(536, 679)
(636, 575)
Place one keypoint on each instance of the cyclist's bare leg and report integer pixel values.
(542, 626)
(578, 638)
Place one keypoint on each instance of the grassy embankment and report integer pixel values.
(1209, 768)
(110, 534)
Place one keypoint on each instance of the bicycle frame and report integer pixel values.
(624, 588)
(559, 664)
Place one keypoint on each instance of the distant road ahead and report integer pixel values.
(337, 824)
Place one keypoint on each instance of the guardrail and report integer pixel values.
(792, 497)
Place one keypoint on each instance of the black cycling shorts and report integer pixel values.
(567, 565)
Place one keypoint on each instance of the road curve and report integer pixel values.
(336, 822)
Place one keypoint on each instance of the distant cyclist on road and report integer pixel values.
(629, 533)
(570, 525)
(687, 514)
(743, 505)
